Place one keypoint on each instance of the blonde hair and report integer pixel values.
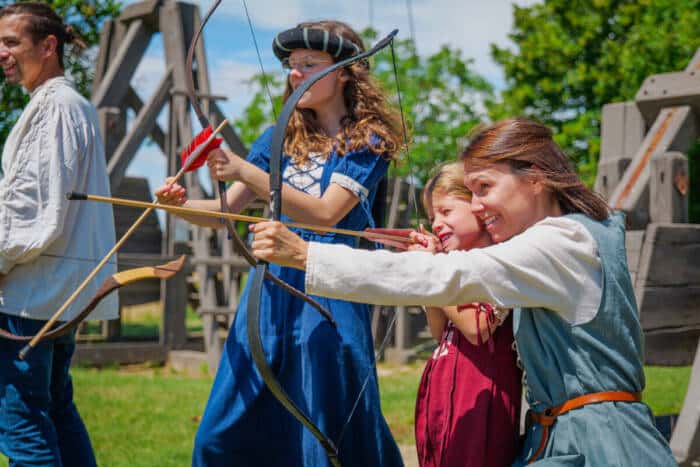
(447, 179)
(370, 122)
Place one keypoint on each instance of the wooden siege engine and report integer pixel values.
(644, 171)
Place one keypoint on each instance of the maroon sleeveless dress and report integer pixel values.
(468, 404)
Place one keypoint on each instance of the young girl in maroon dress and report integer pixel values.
(468, 405)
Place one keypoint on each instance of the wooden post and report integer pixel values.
(174, 291)
(672, 130)
(621, 132)
(668, 188)
(685, 440)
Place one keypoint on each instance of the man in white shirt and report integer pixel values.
(48, 245)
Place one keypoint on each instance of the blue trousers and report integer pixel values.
(39, 423)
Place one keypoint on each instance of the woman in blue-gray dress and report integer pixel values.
(559, 262)
(338, 147)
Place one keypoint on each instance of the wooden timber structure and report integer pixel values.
(213, 267)
(644, 171)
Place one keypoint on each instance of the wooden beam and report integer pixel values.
(136, 104)
(106, 39)
(174, 291)
(114, 85)
(143, 124)
(657, 350)
(694, 64)
(202, 70)
(670, 307)
(175, 44)
(228, 133)
(685, 441)
(670, 256)
(669, 188)
(673, 130)
(145, 11)
(119, 352)
(667, 284)
(668, 90)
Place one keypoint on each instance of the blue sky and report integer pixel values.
(469, 25)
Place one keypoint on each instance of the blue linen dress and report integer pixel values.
(322, 369)
(562, 361)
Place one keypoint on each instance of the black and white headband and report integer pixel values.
(314, 39)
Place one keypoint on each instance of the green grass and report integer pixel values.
(147, 416)
(666, 388)
(141, 419)
(145, 321)
(398, 387)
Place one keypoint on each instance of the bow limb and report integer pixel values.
(112, 283)
(254, 300)
(238, 245)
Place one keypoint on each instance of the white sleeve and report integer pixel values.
(35, 206)
(552, 265)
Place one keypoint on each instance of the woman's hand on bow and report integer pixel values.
(275, 243)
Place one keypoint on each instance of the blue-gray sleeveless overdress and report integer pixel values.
(562, 361)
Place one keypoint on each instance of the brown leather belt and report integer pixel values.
(549, 416)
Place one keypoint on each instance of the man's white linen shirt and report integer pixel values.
(553, 265)
(49, 245)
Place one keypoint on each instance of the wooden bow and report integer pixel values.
(38, 337)
(112, 283)
(254, 298)
(238, 245)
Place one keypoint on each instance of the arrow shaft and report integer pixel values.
(234, 217)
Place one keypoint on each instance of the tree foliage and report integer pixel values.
(87, 18)
(442, 98)
(571, 57)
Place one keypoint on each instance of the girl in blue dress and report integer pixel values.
(559, 261)
(338, 147)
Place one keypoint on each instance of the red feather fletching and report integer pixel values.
(198, 140)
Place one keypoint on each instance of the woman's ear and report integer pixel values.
(536, 178)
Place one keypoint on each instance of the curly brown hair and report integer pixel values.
(370, 122)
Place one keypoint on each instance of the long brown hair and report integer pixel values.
(447, 179)
(42, 21)
(370, 121)
(528, 148)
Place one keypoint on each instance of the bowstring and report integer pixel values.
(406, 150)
(412, 198)
(260, 63)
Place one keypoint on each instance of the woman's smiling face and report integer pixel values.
(504, 202)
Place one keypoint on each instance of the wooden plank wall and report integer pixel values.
(667, 285)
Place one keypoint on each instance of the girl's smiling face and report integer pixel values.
(454, 223)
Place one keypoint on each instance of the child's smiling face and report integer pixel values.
(454, 223)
